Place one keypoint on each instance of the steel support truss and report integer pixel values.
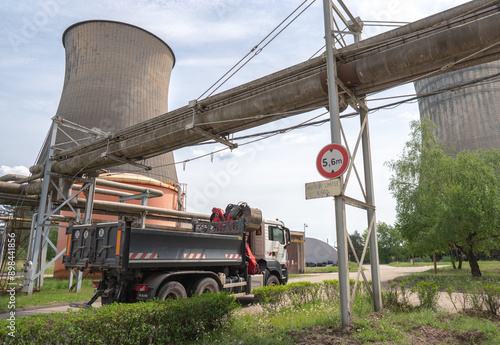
(56, 195)
(334, 34)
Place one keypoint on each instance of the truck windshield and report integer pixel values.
(276, 234)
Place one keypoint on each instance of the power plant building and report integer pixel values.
(468, 116)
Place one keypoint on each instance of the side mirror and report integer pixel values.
(288, 240)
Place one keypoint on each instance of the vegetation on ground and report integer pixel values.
(459, 280)
(54, 291)
(329, 269)
(158, 322)
(297, 313)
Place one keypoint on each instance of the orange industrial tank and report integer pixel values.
(117, 75)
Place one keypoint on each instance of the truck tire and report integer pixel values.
(173, 290)
(272, 280)
(205, 285)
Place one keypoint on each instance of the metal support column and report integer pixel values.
(336, 139)
(87, 218)
(42, 222)
(370, 200)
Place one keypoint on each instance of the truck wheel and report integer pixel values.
(272, 280)
(205, 285)
(173, 290)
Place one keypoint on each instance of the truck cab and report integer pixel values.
(269, 244)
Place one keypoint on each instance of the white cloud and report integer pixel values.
(18, 170)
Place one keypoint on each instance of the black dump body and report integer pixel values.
(117, 246)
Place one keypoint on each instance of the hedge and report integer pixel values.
(158, 322)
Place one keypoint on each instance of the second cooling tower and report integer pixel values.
(117, 75)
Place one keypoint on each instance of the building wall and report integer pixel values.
(296, 253)
(468, 118)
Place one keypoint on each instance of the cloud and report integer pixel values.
(18, 170)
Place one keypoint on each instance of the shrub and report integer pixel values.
(139, 323)
(397, 297)
(427, 293)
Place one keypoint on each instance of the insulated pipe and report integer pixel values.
(132, 208)
(11, 177)
(422, 24)
(374, 72)
(125, 186)
(300, 94)
(34, 188)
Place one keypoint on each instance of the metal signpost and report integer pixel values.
(333, 161)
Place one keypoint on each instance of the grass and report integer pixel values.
(417, 264)
(330, 269)
(53, 292)
(459, 280)
(318, 323)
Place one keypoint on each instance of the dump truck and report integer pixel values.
(139, 264)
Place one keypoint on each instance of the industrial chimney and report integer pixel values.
(117, 75)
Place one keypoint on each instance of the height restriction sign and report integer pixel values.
(332, 161)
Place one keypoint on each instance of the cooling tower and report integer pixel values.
(116, 75)
(467, 118)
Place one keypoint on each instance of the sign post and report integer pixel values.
(333, 102)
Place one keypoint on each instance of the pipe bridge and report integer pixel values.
(460, 37)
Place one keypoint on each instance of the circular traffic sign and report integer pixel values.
(332, 161)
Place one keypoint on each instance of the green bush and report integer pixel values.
(273, 298)
(428, 294)
(397, 298)
(491, 298)
(139, 323)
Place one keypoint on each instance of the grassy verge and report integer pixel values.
(53, 292)
(418, 264)
(329, 269)
(318, 323)
(459, 280)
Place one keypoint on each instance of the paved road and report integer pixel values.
(59, 308)
(387, 274)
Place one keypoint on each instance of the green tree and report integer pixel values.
(390, 243)
(358, 244)
(446, 202)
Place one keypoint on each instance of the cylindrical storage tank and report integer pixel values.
(468, 118)
(117, 75)
(169, 200)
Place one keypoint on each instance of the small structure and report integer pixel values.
(296, 253)
(319, 253)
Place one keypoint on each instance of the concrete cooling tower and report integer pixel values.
(117, 75)
(468, 118)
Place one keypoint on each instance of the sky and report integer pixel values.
(208, 37)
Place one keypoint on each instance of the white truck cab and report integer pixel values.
(269, 244)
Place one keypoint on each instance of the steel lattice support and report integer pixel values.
(57, 187)
(346, 300)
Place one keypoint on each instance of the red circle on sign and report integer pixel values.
(324, 167)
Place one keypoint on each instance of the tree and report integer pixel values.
(357, 243)
(390, 243)
(446, 202)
